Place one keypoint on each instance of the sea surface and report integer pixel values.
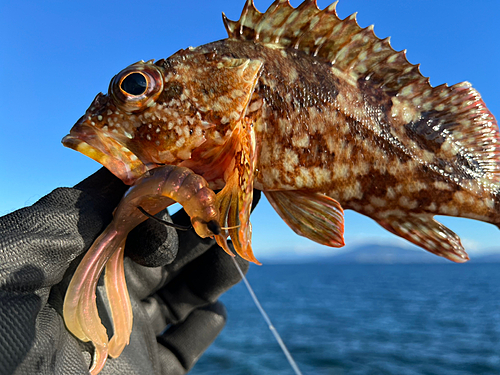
(363, 319)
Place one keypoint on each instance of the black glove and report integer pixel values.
(40, 247)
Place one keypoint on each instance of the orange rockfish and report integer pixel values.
(316, 112)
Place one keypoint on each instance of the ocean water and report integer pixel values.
(363, 319)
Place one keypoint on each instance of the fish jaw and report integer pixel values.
(108, 151)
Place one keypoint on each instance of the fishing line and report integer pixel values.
(167, 223)
(250, 290)
(268, 321)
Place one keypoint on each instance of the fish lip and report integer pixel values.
(112, 154)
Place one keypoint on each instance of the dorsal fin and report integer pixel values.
(321, 33)
(458, 110)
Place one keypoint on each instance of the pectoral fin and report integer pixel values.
(235, 200)
(424, 231)
(234, 205)
(312, 215)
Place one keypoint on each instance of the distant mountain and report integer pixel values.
(384, 254)
(381, 254)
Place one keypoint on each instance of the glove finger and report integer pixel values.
(154, 244)
(151, 243)
(142, 280)
(39, 242)
(182, 345)
(100, 194)
(103, 186)
(191, 246)
(199, 283)
(209, 276)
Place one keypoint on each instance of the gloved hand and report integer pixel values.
(174, 282)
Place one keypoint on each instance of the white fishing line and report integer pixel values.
(268, 321)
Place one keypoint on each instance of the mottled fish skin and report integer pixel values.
(319, 132)
(299, 100)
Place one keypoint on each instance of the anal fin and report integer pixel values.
(312, 215)
(424, 231)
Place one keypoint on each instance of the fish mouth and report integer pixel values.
(108, 151)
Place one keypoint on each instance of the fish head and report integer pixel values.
(137, 125)
(159, 113)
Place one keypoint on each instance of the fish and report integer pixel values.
(319, 114)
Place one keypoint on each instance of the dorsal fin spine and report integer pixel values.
(326, 37)
(323, 34)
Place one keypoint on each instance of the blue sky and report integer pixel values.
(57, 55)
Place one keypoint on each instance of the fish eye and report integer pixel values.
(134, 84)
(136, 87)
